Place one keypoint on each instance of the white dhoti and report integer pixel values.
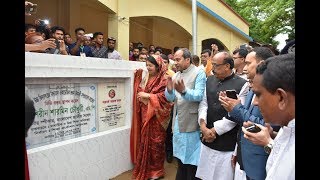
(214, 165)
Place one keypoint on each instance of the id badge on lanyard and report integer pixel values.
(82, 54)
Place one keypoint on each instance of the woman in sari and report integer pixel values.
(151, 115)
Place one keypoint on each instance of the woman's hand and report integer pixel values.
(143, 97)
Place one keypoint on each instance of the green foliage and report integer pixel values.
(267, 18)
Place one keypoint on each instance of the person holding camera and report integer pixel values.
(249, 158)
(79, 48)
(30, 8)
(57, 33)
(34, 42)
(274, 85)
(43, 26)
(34, 47)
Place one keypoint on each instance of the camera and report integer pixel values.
(232, 94)
(43, 22)
(31, 9)
(55, 50)
(253, 128)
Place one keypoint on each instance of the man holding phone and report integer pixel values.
(39, 46)
(30, 8)
(219, 133)
(58, 34)
(274, 85)
(250, 158)
(79, 48)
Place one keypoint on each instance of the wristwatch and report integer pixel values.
(268, 147)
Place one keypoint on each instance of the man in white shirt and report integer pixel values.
(274, 86)
(219, 133)
(112, 53)
(239, 56)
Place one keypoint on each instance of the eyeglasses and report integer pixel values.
(217, 65)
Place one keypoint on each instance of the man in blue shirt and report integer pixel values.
(186, 89)
(78, 48)
(250, 158)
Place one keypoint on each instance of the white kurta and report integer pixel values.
(281, 161)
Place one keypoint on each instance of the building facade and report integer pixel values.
(165, 23)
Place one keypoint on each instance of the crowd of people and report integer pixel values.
(215, 136)
(181, 107)
(54, 40)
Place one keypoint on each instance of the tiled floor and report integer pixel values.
(170, 169)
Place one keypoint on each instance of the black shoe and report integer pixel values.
(169, 157)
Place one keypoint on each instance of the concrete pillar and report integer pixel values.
(74, 17)
(190, 45)
(118, 27)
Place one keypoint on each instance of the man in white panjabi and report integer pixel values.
(218, 133)
(274, 86)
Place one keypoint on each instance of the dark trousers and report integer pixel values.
(248, 178)
(169, 148)
(186, 171)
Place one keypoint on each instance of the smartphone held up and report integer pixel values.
(253, 128)
(232, 94)
(31, 8)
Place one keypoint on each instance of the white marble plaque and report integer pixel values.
(63, 111)
(110, 105)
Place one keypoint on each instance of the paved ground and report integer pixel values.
(170, 169)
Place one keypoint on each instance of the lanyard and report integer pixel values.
(82, 47)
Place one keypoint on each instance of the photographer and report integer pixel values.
(43, 26)
(29, 8)
(34, 42)
(41, 46)
(58, 34)
(79, 48)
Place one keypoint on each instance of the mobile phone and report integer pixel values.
(253, 128)
(232, 94)
(57, 50)
(31, 9)
(54, 50)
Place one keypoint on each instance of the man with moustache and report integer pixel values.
(218, 133)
